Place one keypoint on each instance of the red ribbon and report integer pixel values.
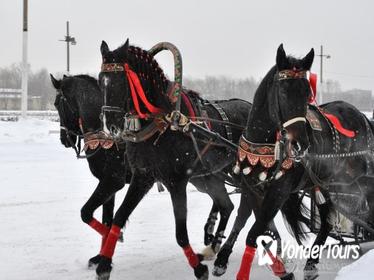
(136, 90)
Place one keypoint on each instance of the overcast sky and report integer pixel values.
(237, 38)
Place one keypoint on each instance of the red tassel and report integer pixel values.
(246, 264)
(191, 111)
(111, 241)
(313, 86)
(99, 227)
(193, 259)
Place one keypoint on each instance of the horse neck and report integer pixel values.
(90, 101)
(261, 127)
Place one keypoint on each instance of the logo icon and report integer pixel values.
(266, 249)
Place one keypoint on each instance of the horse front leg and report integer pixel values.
(244, 212)
(179, 200)
(103, 195)
(274, 199)
(139, 186)
(107, 218)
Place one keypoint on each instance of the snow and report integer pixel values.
(43, 187)
(360, 269)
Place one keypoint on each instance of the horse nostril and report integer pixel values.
(113, 129)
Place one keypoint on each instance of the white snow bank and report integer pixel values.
(361, 269)
(28, 131)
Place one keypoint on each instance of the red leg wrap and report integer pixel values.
(245, 266)
(99, 227)
(193, 259)
(277, 267)
(103, 240)
(111, 241)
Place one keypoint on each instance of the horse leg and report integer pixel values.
(310, 269)
(108, 208)
(274, 199)
(244, 212)
(139, 186)
(179, 200)
(101, 196)
(210, 224)
(216, 189)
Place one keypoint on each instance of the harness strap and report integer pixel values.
(224, 118)
(294, 120)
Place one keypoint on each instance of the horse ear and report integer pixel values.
(125, 47)
(281, 58)
(307, 61)
(56, 83)
(104, 49)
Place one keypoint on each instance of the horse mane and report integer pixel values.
(147, 68)
(88, 78)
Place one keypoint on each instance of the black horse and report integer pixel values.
(78, 102)
(171, 157)
(286, 153)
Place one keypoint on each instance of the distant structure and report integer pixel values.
(11, 99)
(362, 99)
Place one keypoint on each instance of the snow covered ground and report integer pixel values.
(42, 188)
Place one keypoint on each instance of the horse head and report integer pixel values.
(289, 95)
(67, 108)
(133, 85)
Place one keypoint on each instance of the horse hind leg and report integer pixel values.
(310, 269)
(217, 191)
(244, 212)
(210, 225)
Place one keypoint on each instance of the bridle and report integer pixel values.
(136, 90)
(292, 75)
(76, 145)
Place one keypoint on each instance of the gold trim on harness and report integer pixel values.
(263, 153)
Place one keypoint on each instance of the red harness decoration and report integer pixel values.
(333, 119)
(313, 86)
(190, 109)
(137, 90)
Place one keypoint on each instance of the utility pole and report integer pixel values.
(69, 40)
(24, 60)
(322, 56)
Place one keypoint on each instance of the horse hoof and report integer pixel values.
(310, 272)
(104, 268)
(208, 253)
(202, 272)
(94, 261)
(288, 276)
(219, 270)
(104, 276)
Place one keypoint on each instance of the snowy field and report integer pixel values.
(43, 188)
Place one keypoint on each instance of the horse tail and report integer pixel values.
(295, 214)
